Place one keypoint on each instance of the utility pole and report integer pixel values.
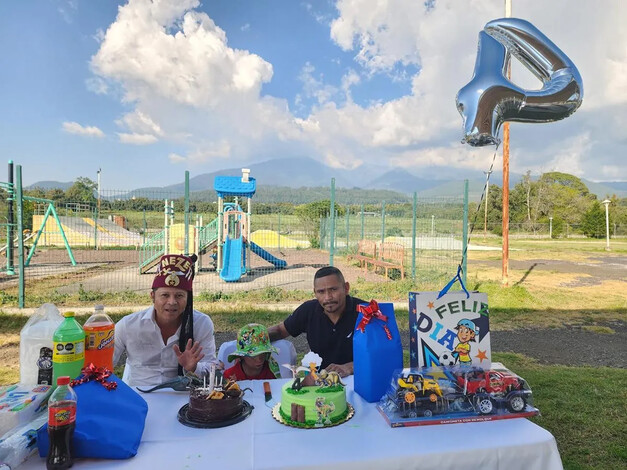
(550, 228)
(505, 275)
(97, 211)
(99, 171)
(487, 191)
(607, 203)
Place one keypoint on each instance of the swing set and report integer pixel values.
(15, 237)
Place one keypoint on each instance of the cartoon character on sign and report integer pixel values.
(466, 332)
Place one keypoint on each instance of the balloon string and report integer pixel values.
(474, 220)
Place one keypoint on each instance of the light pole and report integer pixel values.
(487, 191)
(551, 228)
(433, 225)
(99, 171)
(606, 203)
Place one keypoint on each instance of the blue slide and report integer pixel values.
(232, 255)
(279, 263)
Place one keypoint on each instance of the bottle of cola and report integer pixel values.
(61, 423)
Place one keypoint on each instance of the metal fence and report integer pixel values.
(111, 243)
(432, 233)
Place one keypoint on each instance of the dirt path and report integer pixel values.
(590, 272)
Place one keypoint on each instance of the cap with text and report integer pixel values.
(175, 271)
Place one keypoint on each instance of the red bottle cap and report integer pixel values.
(64, 380)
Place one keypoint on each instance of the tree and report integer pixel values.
(566, 180)
(310, 215)
(593, 221)
(57, 195)
(82, 190)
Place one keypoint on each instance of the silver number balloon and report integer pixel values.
(490, 99)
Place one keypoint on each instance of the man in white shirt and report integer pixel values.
(170, 337)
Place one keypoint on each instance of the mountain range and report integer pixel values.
(298, 173)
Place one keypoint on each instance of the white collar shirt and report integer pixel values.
(148, 360)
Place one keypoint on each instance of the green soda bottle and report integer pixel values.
(68, 350)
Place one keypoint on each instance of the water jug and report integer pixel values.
(36, 345)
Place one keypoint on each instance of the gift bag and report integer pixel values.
(377, 350)
(109, 423)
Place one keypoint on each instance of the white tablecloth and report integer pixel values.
(364, 442)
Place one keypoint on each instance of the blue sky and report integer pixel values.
(146, 90)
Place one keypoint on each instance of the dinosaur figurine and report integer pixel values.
(180, 384)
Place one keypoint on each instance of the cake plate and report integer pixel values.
(193, 423)
(276, 414)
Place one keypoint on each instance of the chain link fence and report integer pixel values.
(77, 249)
(110, 244)
(431, 233)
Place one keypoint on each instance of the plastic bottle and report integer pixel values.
(36, 345)
(68, 354)
(16, 446)
(61, 424)
(99, 339)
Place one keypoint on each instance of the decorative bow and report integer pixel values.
(99, 374)
(369, 312)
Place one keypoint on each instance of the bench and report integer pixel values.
(366, 252)
(386, 255)
(391, 256)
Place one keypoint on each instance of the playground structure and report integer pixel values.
(227, 238)
(84, 231)
(234, 241)
(176, 238)
(108, 246)
(15, 233)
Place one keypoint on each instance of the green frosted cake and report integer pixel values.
(313, 407)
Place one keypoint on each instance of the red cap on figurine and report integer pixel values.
(175, 271)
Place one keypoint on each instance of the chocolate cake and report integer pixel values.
(215, 405)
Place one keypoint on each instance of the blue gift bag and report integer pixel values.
(377, 350)
(109, 424)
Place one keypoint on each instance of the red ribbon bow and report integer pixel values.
(99, 374)
(369, 312)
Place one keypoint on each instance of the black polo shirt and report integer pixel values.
(333, 343)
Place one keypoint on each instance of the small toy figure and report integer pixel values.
(329, 379)
(323, 410)
(466, 332)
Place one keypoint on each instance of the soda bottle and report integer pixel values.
(68, 344)
(99, 339)
(61, 424)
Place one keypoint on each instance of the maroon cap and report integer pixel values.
(175, 271)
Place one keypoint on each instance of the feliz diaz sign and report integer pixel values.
(453, 330)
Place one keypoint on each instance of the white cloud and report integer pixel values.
(169, 50)
(383, 35)
(76, 128)
(97, 85)
(186, 85)
(205, 154)
(67, 10)
(140, 122)
(137, 139)
(176, 158)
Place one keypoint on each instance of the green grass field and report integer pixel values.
(585, 408)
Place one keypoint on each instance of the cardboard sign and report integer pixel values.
(453, 330)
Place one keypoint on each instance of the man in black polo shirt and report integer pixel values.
(328, 320)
